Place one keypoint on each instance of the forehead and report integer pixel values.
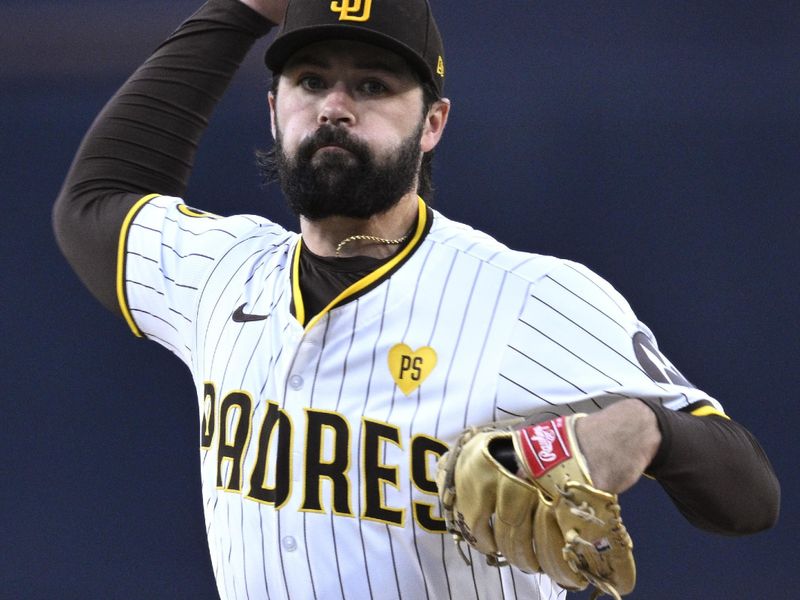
(331, 54)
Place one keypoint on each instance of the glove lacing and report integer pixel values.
(583, 557)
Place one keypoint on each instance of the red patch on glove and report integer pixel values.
(545, 445)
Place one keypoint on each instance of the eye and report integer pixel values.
(373, 87)
(312, 83)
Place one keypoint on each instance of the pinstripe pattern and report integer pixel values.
(512, 333)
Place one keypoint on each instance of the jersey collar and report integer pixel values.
(365, 283)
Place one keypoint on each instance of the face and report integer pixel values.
(350, 130)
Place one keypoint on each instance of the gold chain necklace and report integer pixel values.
(370, 238)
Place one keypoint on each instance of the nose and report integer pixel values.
(337, 107)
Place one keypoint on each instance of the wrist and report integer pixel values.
(271, 10)
(650, 432)
(660, 414)
(618, 443)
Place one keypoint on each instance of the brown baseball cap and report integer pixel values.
(406, 27)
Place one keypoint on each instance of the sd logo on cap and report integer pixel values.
(352, 11)
(406, 27)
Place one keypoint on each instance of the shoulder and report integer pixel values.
(527, 266)
(176, 223)
(470, 243)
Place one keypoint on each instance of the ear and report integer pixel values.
(271, 100)
(435, 122)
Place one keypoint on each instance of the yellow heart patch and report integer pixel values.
(409, 368)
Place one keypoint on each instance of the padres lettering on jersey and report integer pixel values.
(271, 476)
(319, 444)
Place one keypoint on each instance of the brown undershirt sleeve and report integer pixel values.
(715, 472)
(144, 141)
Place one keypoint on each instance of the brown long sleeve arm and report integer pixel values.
(145, 139)
(715, 472)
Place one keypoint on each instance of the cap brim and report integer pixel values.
(286, 45)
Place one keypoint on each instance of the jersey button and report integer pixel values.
(289, 543)
(296, 382)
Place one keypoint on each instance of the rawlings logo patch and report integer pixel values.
(545, 445)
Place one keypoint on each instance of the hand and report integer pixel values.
(618, 443)
(522, 496)
(272, 10)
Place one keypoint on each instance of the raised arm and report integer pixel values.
(144, 140)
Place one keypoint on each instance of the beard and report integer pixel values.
(350, 182)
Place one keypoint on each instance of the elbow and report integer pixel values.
(86, 229)
(69, 229)
(754, 508)
(761, 494)
(59, 218)
(765, 508)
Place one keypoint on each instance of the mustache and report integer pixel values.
(328, 135)
(270, 162)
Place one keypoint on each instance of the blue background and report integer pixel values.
(656, 142)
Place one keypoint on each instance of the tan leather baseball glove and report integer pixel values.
(522, 495)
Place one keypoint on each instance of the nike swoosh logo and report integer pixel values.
(239, 316)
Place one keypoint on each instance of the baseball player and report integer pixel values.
(335, 366)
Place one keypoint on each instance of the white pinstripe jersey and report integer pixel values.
(319, 443)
